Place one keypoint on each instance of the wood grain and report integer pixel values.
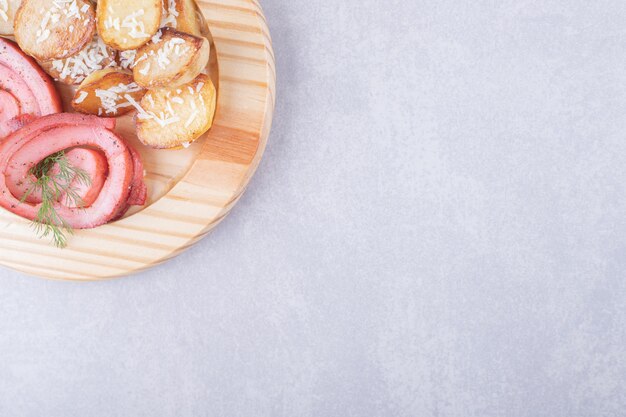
(191, 190)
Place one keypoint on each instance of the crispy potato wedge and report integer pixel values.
(124, 24)
(173, 117)
(171, 59)
(75, 69)
(49, 30)
(104, 93)
(182, 15)
(8, 8)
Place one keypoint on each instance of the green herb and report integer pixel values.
(52, 186)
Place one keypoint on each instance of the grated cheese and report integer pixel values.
(112, 99)
(127, 59)
(52, 16)
(191, 118)
(170, 48)
(42, 35)
(4, 9)
(169, 15)
(136, 28)
(157, 37)
(81, 97)
(141, 113)
(145, 69)
(168, 105)
(78, 67)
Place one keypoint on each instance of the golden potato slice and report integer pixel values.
(75, 69)
(54, 29)
(8, 8)
(171, 59)
(104, 93)
(182, 15)
(173, 117)
(126, 24)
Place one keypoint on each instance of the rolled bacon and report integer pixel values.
(25, 89)
(88, 142)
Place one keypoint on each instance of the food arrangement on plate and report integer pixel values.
(67, 169)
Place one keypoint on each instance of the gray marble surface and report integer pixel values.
(438, 229)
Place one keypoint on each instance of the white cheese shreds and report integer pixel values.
(136, 28)
(112, 98)
(186, 145)
(52, 16)
(162, 119)
(170, 49)
(157, 37)
(145, 69)
(141, 113)
(4, 9)
(94, 57)
(169, 15)
(191, 118)
(43, 35)
(170, 110)
(127, 59)
(167, 121)
(81, 97)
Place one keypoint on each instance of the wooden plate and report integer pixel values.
(191, 190)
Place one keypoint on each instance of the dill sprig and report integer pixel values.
(52, 185)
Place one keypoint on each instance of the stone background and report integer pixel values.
(438, 228)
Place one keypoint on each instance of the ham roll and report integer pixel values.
(26, 91)
(90, 144)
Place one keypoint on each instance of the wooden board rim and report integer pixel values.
(205, 194)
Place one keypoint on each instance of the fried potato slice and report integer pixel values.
(54, 29)
(8, 8)
(171, 59)
(124, 24)
(182, 15)
(174, 117)
(75, 69)
(104, 93)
